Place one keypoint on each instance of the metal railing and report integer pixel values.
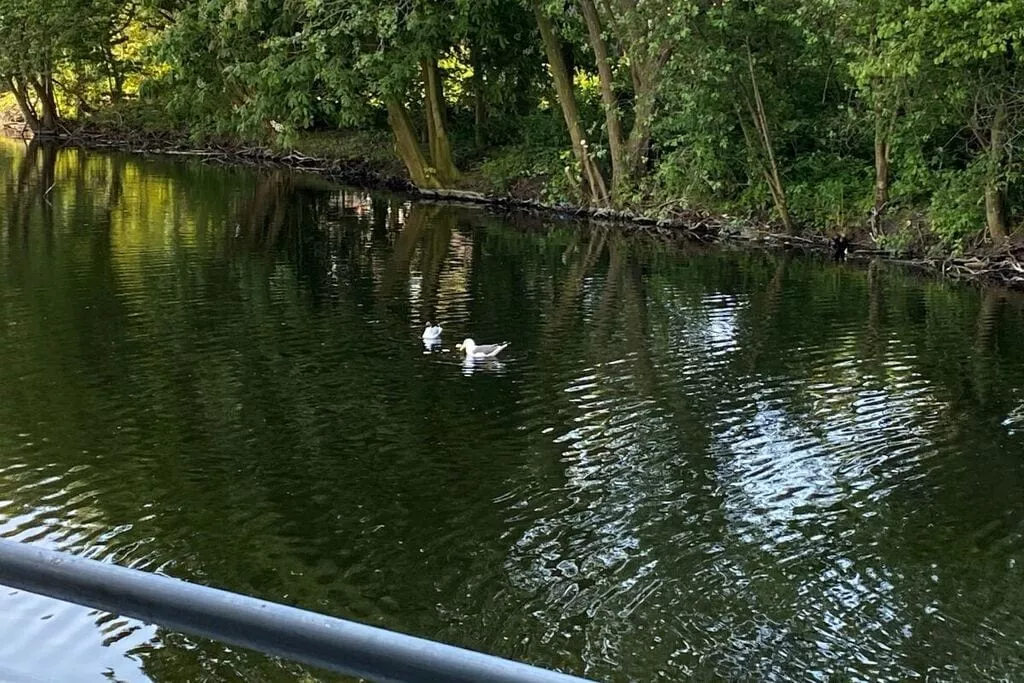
(315, 639)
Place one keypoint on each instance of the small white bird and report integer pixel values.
(432, 331)
(474, 350)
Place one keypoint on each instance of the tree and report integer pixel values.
(229, 69)
(507, 63)
(46, 41)
(631, 43)
(750, 67)
(592, 181)
(390, 52)
(865, 34)
(979, 46)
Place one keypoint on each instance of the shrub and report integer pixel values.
(956, 212)
(827, 191)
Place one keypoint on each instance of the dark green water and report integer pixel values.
(721, 464)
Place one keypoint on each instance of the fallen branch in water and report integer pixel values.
(1004, 267)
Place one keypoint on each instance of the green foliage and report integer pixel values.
(746, 101)
(956, 213)
(899, 242)
(66, 56)
(368, 145)
(136, 116)
(506, 168)
(830, 192)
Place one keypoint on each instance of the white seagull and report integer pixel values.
(431, 332)
(474, 350)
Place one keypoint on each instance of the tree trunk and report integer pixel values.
(771, 167)
(883, 132)
(883, 149)
(21, 95)
(408, 146)
(479, 102)
(639, 141)
(116, 76)
(995, 201)
(479, 120)
(49, 121)
(591, 178)
(437, 138)
(608, 100)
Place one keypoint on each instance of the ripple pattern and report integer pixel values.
(690, 463)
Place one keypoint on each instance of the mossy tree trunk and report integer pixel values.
(608, 99)
(49, 118)
(436, 168)
(593, 187)
(408, 147)
(995, 199)
(612, 25)
(20, 89)
(437, 136)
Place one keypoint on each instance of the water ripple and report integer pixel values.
(690, 463)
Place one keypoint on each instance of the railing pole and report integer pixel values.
(314, 639)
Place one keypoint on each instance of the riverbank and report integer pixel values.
(371, 166)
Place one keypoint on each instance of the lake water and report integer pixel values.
(719, 463)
